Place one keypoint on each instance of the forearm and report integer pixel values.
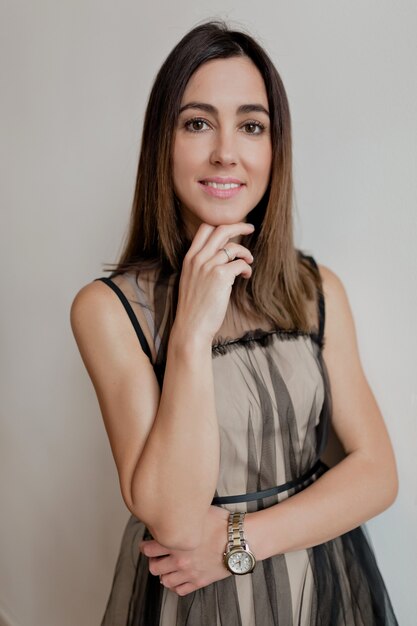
(176, 476)
(347, 495)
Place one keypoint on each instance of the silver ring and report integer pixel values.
(229, 256)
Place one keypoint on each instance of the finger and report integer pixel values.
(220, 237)
(223, 233)
(183, 590)
(235, 250)
(200, 238)
(173, 579)
(235, 268)
(159, 566)
(153, 548)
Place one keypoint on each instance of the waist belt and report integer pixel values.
(319, 466)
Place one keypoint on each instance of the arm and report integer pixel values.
(359, 487)
(365, 482)
(165, 445)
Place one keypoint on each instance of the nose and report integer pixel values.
(225, 148)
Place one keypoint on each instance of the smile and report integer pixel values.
(221, 190)
(221, 185)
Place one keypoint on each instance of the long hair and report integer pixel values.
(282, 279)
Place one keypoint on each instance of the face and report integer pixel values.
(215, 140)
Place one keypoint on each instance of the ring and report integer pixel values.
(228, 254)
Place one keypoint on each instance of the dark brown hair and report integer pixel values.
(282, 279)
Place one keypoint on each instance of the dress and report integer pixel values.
(273, 405)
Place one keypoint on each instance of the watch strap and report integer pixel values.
(235, 531)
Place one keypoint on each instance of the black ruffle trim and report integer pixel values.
(259, 336)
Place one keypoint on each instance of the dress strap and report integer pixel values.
(130, 312)
(321, 306)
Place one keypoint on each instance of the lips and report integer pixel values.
(221, 193)
(219, 179)
(217, 185)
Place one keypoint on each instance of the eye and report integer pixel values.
(195, 120)
(253, 124)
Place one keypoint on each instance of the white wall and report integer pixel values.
(75, 79)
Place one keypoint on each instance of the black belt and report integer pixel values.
(265, 493)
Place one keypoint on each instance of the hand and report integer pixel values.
(184, 571)
(207, 277)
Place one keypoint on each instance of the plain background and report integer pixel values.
(76, 75)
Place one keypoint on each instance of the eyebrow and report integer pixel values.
(209, 108)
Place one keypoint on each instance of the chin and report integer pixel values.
(224, 215)
(213, 214)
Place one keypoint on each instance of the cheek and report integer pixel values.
(261, 161)
(177, 171)
(185, 161)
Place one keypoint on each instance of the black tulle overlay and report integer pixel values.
(274, 408)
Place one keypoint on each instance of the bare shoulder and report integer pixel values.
(115, 361)
(93, 304)
(332, 284)
(89, 300)
(104, 333)
(339, 325)
(94, 315)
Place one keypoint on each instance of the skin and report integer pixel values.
(166, 441)
(152, 433)
(365, 483)
(362, 485)
(223, 143)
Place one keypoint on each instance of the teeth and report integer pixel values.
(222, 185)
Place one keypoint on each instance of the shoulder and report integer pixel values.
(333, 288)
(93, 315)
(100, 324)
(329, 281)
(91, 291)
(92, 304)
(100, 300)
(331, 297)
(334, 291)
(339, 329)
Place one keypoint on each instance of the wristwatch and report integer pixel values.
(238, 558)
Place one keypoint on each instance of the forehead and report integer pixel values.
(234, 80)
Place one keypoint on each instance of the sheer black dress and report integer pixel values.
(274, 408)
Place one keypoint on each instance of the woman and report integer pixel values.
(215, 386)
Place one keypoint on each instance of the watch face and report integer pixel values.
(240, 562)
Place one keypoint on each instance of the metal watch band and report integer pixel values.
(235, 531)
